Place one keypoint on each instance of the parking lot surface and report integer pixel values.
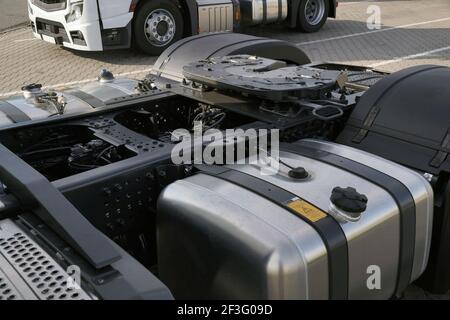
(412, 32)
(13, 13)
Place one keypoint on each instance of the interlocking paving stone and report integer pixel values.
(409, 28)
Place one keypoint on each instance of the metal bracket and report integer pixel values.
(368, 122)
(441, 156)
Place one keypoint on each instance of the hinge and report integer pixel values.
(441, 156)
(368, 122)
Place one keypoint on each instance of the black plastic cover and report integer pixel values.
(349, 200)
(405, 118)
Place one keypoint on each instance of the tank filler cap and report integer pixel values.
(106, 76)
(347, 204)
(32, 90)
(299, 173)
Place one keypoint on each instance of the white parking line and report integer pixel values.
(412, 56)
(373, 31)
(350, 3)
(8, 34)
(23, 40)
(73, 83)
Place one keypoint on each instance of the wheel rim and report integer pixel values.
(314, 11)
(160, 27)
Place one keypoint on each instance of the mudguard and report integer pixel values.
(405, 118)
(171, 62)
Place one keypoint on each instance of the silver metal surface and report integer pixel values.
(373, 240)
(341, 215)
(288, 258)
(160, 27)
(314, 11)
(205, 210)
(215, 16)
(235, 215)
(28, 271)
(103, 91)
(31, 93)
(420, 189)
(253, 11)
(110, 90)
(7, 289)
(428, 176)
(12, 286)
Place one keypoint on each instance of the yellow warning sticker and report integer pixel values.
(306, 210)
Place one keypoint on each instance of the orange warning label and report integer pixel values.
(306, 210)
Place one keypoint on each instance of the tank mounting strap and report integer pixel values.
(328, 228)
(94, 102)
(13, 113)
(395, 188)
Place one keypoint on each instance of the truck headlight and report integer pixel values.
(76, 11)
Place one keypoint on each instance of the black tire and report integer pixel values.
(304, 23)
(141, 40)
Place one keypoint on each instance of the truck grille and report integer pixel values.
(50, 5)
(27, 272)
(52, 29)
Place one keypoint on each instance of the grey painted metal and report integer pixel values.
(170, 63)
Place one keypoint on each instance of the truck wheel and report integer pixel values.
(158, 24)
(312, 15)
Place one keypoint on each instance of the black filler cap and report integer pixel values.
(105, 75)
(32, 86)
(298, 173)
(349, 200)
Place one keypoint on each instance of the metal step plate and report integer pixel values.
(27, 272)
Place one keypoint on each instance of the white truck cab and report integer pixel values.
(153, 25)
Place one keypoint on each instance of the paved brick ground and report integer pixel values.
(25, 60)
(413, 32)
(13, 13)
(408, 28)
